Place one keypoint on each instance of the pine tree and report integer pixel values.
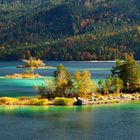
(129, 72)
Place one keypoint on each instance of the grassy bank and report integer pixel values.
(35, 101)
(61, 101)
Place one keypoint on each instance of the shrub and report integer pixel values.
(8, 101)
(63, 101)
(24, 98)
(36, 101)
(27, 72)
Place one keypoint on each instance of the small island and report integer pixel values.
(33, 63)
(27, 74)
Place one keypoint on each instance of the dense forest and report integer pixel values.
(69, 29)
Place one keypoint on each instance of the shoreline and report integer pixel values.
(23, 76)
(92, 105)
(62, 101)
(89, 105)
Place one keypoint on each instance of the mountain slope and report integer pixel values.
(90, 27)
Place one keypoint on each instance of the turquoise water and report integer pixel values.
(24, 87)
(110, 122)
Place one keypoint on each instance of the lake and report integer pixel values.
(102, 122)
(110, 122)
(22, 87)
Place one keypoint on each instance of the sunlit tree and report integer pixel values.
(83, 83)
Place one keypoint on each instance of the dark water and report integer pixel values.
(113, 122)
(22, 87)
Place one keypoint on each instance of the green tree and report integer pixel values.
(63, 80)
(118, 84)
(41, 89)
(50, 88)
(108, 84)
(100, 86)
(129, 72)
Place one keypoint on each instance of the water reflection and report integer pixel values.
(83, 122)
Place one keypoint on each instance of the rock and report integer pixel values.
(123, 97)
(81, 102)
(20, 66)
(110, 98)
(94, 99)
(106, 102)
(101, 98)
(78, 102)
(117, 101)
(133, 98)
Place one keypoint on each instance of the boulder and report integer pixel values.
(78, 102)
(81, 102)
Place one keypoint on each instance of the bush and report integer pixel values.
(36, 101)
(28, 72)
(63, 101)
(8, 101)
(24, 98)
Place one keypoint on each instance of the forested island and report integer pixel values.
(69, 29)
(123, 85)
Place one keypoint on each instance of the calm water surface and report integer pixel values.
(112, 122)
(22, 87)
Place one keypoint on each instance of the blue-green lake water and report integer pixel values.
(22, 87)
(110, 122)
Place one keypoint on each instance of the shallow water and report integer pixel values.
(110, 122)
(22, 87)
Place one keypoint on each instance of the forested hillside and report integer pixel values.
(69, 29)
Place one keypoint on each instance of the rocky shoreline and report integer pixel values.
(94, 100)
(113, 98)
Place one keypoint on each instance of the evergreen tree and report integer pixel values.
(129, 72)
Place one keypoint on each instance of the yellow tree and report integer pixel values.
(61, 83)
(84, 83)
